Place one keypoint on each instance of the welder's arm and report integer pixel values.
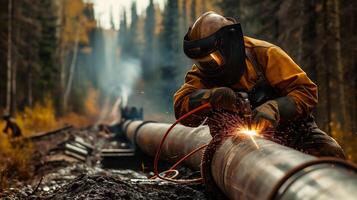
(192, 94)
(299, 92)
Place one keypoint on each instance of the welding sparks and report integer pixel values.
(251, 133)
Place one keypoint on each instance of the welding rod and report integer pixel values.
(242, 171)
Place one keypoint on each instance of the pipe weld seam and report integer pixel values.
(211, 187)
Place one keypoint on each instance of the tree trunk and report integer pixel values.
(62, 59)
(13, 84)
(71, 71)
(9, 58)
(336, 68)
(29, 88)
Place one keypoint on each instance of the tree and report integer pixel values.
(123, 31)
(133, 48)
(193, 10)
(9, 77)
(48, 49)
(149, 54)
(170, 50)
(75, 31)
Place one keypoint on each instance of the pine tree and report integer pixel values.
(149, 54)
(133, 48)
(3, 54)
(112, 25)
(48, 47)
(170, 50)
(193, 10)
(123, 30)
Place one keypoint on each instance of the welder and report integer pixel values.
(280, 92)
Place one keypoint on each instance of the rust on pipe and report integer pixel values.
(243, 171)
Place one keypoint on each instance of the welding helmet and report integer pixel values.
(221, 56)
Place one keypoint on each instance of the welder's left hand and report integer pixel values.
(267, 114)
(272, 111)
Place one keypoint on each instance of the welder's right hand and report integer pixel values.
(223, 98)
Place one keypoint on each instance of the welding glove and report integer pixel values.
(274, 110)
(219, 98)
(223, 97)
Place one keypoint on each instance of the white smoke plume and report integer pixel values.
(117, 76)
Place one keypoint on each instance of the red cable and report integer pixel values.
(172, 168)
(158, 152)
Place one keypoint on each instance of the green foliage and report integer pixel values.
(48, 46)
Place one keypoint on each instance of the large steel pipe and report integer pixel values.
(243, 169)
(181, 141)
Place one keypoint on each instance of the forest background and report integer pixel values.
(59, 65)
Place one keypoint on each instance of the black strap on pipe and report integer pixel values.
(125, 128)
(137, 131)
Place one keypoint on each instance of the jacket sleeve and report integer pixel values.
(285, 75)
(193, 82)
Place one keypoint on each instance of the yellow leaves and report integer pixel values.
(15, 158)
(73, 7)
(76, 22)
(39, 118)
(92, 102)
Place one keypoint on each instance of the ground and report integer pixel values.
(57, 175)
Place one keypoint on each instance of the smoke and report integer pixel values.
(117, 76)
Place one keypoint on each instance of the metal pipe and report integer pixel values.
(243, 171)
(180, 141)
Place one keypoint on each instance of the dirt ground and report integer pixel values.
(57, 175)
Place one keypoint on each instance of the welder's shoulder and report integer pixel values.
(262, 49)
(257, 44)
(194, 72)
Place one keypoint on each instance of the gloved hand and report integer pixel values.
(274, 110)
(267, 112)
(223, 97)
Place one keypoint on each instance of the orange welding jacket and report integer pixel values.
(279, 69)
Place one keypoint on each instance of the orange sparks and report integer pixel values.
(251, 133)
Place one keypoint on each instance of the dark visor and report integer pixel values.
(203, 47)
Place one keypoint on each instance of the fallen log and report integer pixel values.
(49, 133)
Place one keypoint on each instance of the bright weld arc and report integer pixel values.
(251, 133)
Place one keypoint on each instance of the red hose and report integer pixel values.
(158, 152)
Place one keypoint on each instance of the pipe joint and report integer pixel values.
(206, 163)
